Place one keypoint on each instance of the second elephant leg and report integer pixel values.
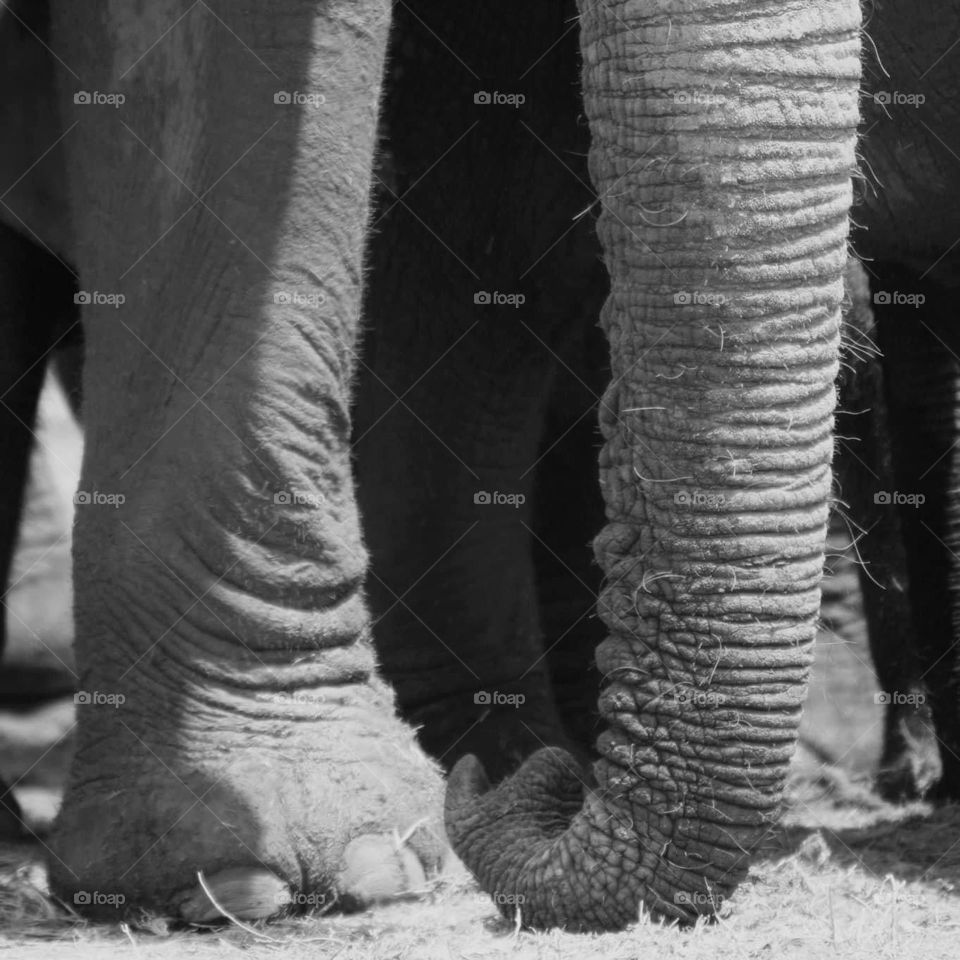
(922, 387)
(478, 204)
(452, 579)
(910, 761)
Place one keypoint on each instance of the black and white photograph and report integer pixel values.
(480, 479)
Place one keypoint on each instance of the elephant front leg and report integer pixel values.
(231, 720)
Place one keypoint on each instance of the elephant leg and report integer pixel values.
(919, 344)
(476, 289)
(36, 293)
(910, 762)
(232, 721)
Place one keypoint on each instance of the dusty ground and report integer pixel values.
(845, 876)
(866, 881)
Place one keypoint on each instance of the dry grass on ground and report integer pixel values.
(847, 876)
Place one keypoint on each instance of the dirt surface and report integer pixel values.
(844, 877)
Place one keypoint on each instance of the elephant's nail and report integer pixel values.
(244, 893)
(376, 870)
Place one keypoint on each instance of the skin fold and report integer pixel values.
(273, 184)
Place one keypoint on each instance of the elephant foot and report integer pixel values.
(211, 813)
(911, 765)
(376, 869)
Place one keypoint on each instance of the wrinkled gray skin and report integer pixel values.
(224, 598)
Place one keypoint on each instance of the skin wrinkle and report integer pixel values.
(300, 583)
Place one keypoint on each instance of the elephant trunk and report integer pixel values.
(723, 144)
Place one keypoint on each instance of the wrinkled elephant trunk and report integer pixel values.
(723, 144)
